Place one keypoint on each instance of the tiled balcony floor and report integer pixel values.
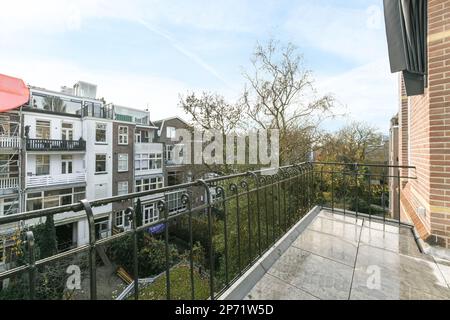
(339, 257)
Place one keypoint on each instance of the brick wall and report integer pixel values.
(429, 136)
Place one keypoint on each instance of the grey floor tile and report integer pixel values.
(328, 246)
(349, 218)
(444, 267)
(338, 228)
(399, 243)
(400, 276)
(272, 288)
(321, 277)
(377, 225)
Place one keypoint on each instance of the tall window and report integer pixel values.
(150, 214)
(122, 188)
(119, 220)
(100, 163)
(42, 164)
(42, 129)
(123, 135)
(66, 164)
(67, 131)
(137, 137)
(100, 132)
(169, 152)
(171, 133)
(122, 162)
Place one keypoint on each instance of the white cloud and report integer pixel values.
(353, 34)
(368, 93)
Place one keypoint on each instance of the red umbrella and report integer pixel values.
(13, 93)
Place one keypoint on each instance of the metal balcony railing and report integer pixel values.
(55, 179)
(8, 142)
(234, 218)
(55, 145)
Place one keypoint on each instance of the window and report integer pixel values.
(54, 198)
(66, 164)
(100, 132)
(155, 160)
(169, 152)
(123, 135)
(67, 131)
(100, 163)
(150, 214)
(42, 129)
(9, 206)
(42, 164)
(122, 188)
(174, 203)
(146, 184)
(101, 227)
(171, 133)
(137, 137)
(122, 162)
(147, 161)
(119, 218)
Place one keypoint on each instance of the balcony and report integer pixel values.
(7, 142)
(9, 183)
(306, 231)
(55, 145)
(55, 179)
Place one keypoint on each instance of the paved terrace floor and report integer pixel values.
(341, 257)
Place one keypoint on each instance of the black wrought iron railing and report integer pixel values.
(55, 145)
(227, 223)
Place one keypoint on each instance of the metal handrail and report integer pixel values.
(290, 192)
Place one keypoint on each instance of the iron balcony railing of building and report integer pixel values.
(55, 145)
(233, 219)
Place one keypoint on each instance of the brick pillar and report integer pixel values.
(439, 119)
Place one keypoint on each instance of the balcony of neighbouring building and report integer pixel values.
(9, 142)
(55, 145)
(9, 185)
(306, 231)
(34, 181)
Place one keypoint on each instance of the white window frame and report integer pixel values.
(67, 162)
(171, 133)
(122, 164)
(106, 169)
(123, 136)
(39, 125)
(44, 164)
(145, 184)
(149, 213)
(119, 216)
(122, 188)
(101, 126)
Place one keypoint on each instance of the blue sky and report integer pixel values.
(143, 53)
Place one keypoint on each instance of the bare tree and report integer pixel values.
(210, 111)
(280, 94)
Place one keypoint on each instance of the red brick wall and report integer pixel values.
(429, 135)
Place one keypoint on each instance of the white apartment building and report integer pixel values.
(60, 148)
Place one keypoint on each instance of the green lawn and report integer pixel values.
(180, 286)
